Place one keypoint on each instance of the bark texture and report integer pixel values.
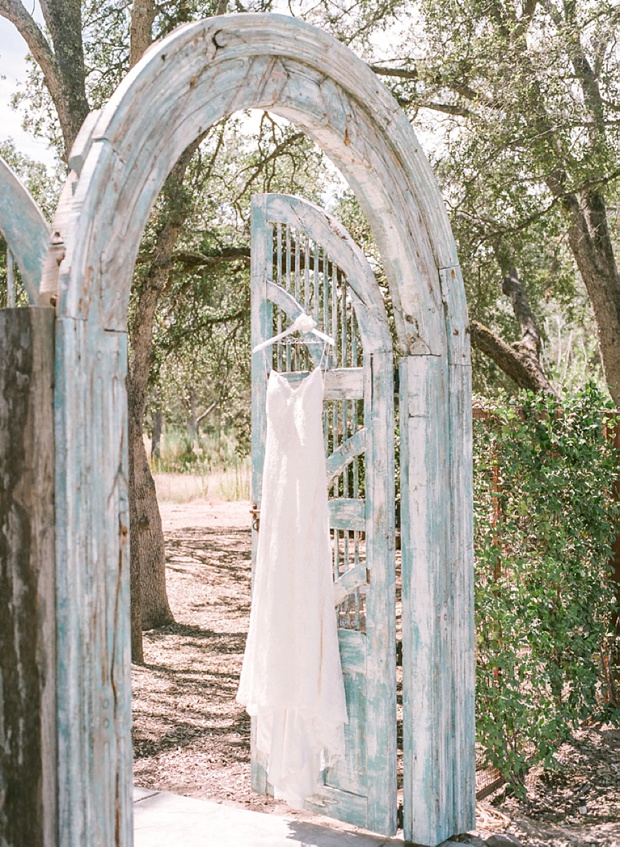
(61, 62)
(147, 540)
(141, 29)
(521, 361)
(27, 586)
(590, 241)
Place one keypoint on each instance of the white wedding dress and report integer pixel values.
(291, 680)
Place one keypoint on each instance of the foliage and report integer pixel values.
(201, 353)
(544, 525)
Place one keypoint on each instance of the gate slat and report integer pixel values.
(347, 513)
(360, 788)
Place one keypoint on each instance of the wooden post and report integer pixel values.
(27, 617)
(437, 599)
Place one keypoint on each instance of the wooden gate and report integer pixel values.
(303, 260)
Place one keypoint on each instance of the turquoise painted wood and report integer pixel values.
(304, 260)
(24, 229)
(198, 75)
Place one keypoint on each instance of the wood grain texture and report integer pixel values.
(437, 551)
(360, 789)
(340, 383)
(209, 69)
(27, 601)
(92, 552)
(461, 548)
(199, 74)
(24, 229)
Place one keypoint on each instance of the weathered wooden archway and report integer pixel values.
(24, 229)
(199, 74)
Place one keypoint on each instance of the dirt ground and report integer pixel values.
(192, 738)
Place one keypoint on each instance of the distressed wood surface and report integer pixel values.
(24, 229)
(93, 664)
(437, 570)
(199, 74)
(461, 548)
(209, 69)
(362, 788)
(27, 601)
(339, 384)
(346, 453)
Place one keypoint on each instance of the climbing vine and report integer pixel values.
(544, 523)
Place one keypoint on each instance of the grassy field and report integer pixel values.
(227, 484)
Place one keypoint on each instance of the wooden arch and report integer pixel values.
(24, 229)
(199, 74)
(367, 300)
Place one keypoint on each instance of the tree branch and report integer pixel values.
(530, 337)
(64, 21)
(15, 12)
(513, 363)
(189, 259)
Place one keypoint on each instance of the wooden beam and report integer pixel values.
(27, 603)
(24, 229)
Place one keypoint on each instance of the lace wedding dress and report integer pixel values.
(291, 679)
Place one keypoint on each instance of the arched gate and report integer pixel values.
(197, 75)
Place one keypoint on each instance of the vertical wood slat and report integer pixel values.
(92, 591)
(27, 603)
(437, 591)
(426, 599)
(261, 329)
(462, 546)
(380, 610)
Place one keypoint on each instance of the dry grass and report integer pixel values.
(228, 485)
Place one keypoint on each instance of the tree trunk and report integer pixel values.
(150, 606)
(27, 580)
(158, 428)
(192, 426)
(520, 361)
(148, 559)
(591, 245)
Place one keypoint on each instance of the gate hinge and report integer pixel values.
(255, 512)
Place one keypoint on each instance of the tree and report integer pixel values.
(110, 40)
(61, 59)
(527, 93)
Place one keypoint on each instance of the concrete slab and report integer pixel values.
(169, 820)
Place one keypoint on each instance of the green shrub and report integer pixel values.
(544, 524)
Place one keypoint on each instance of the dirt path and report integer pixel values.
(192, 738)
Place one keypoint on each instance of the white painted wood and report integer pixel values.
(346, 453)
(92, 550)
(281, 66)
(24, 229)
(436, 509)
(199, 74)
(339, 383)
(347, 514)
(350, 581)
(361, 789)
